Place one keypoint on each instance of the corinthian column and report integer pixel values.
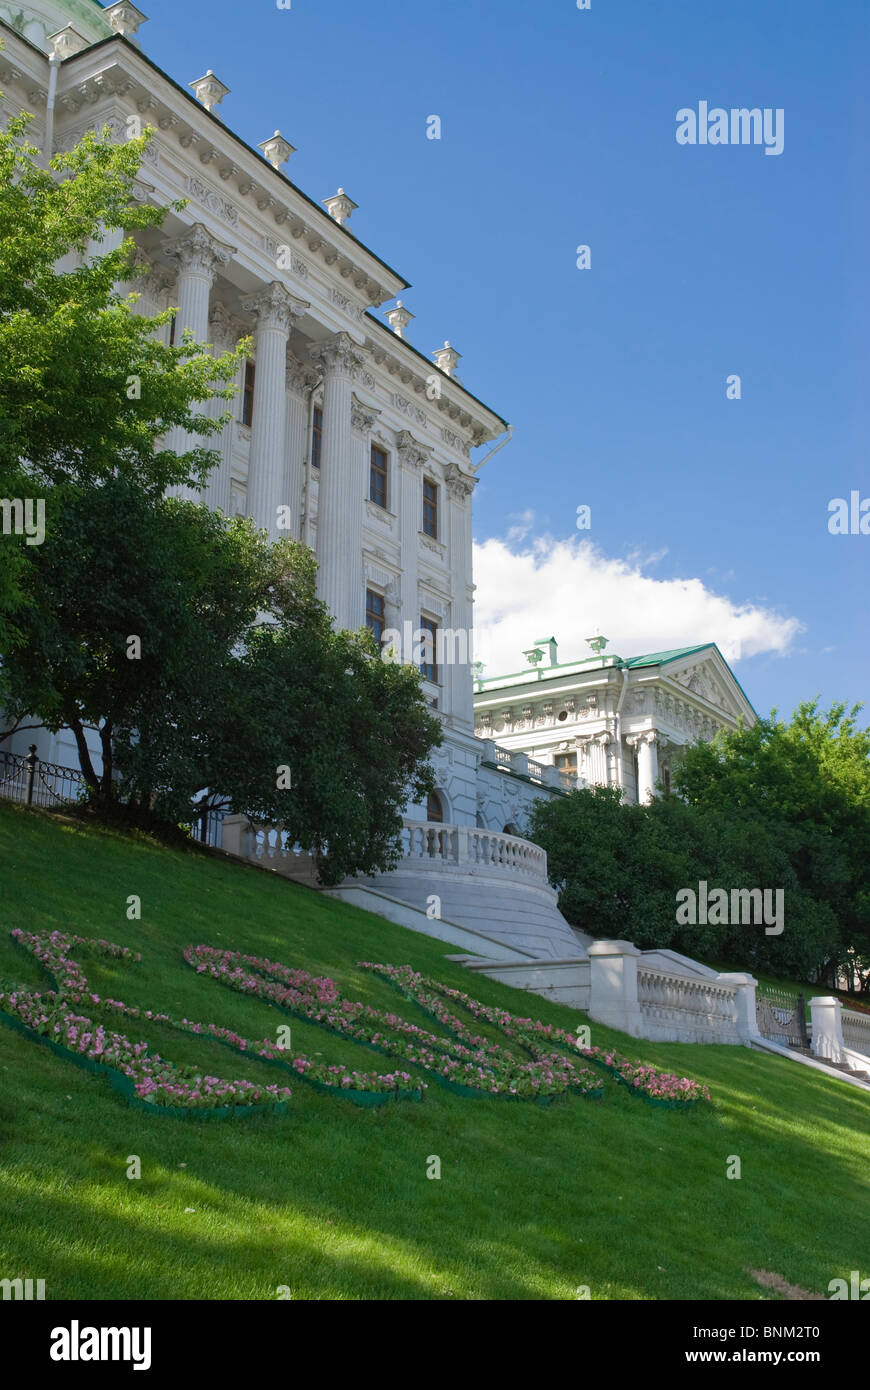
(269, 487)
(198, 255)
(647, 766)
(342, 485)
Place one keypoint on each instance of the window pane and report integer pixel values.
(430, 508)
(316, 436)
(375, 613)
(378, 477)
(428, 649)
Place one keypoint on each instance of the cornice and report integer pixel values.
(127, 72)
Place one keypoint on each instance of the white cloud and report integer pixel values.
(528, 589)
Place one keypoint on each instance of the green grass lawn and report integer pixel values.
(333, 1200)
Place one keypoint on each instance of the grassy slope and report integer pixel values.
(333, 1200)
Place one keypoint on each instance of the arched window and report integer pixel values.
(434, 808)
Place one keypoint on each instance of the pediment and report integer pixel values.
(704, 678)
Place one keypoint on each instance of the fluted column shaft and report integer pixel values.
(647, 767)
(198, 255)
(269, 483)
(343, 490)
(458, 489)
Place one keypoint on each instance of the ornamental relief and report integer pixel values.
(221, 207)
(347, 305)
(297, 266)
(410, 409)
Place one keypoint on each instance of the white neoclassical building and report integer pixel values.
(609, 721)
(344, 435)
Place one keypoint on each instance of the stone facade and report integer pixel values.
(616, 723)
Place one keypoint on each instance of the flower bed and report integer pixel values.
(480, 1067)
(53, 950)
(659, 1088)
(465, 1062)
(142, 1076)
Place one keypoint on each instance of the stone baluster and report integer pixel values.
(272, 483)
(343, 486)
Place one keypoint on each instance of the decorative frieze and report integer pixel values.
(411, 410)
(218, 205)
(347, 305)
(455, 441)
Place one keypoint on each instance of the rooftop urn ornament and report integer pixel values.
(340, 207)
(399, 318)
(124, 18)
(66, 42)
(533, 655)
(478, 669)
(277, 150)
(447, 359)
(209, 90)
(597, 643)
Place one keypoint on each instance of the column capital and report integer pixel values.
(275, 308)
(338, 356)
(301, 378)
(460, 485)
(362, 416)
(198, 251)
(412, 454)
(644, 739)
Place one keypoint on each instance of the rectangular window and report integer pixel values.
(248, 394)
(430, 508)
(566, 762)
(375, 613)
(316, 437)
(378, 478)
(172, 330)
(429, 650)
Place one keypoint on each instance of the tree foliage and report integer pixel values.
(777, 806)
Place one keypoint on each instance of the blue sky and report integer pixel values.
(709, 516)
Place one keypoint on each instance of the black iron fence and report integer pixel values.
(26, 778)
(782, 1017)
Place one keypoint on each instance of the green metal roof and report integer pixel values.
(660, 658)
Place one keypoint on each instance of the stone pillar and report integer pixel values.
(458, 490)
(236, 836)
(224, 332)
(825, 1011)
(647, 766)
(747, 1025)
(411, 457)
(301, 380)
(343, 486)
(613, 986)
(198, 254)
(269, 486)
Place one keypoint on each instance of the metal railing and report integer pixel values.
(26, 778)
(782, 1016)
(29, 780)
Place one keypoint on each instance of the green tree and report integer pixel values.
(809, 781)
(87, 391)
